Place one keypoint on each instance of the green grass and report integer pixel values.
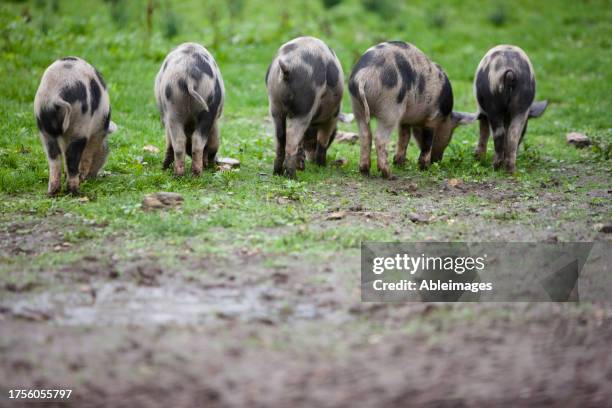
(568, 42)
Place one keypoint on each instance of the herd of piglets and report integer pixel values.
(393, 82)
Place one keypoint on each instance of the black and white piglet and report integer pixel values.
(73, 113)
(190, 94)
(305, 85)
(505, 88)
(402, 88)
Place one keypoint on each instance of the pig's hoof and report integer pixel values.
(510, 168)
(320, 156)
(278, 167)
(436, 158)
(179, 171)
(54, 192)
(399, 160)
(479, 154)
(196, 172)
(364, 170)
(385, 173)
(423, 165)
(290, 172)
(497, 164)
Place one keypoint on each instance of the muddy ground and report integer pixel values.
(252, 328)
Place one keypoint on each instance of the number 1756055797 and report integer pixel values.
(39, 394)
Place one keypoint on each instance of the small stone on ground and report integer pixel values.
(346, 137)
(578, 139)
(150, 149)
(161, 200)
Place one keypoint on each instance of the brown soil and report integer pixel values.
(248, 329)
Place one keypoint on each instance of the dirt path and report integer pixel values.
(255, 329)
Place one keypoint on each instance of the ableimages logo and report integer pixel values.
(411, 264)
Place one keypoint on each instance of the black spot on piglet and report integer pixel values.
(318, 67)
(75, 92)
(388, 77)
(94, 95)
(407, 75)
(53, 149)
(299, 96)
(182, 84)
(200, 67)
(73, 155)
(99, 75)
(49, 120)
(332, 75)
(445, 99)
(206, 118)
(366, 60)
(399, 44)
(353, 88)
(107, 119)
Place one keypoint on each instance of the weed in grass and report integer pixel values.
(437, 19)
(171, 23)
(499, 16)
(386, 9)
(328, 4)
(119, 12)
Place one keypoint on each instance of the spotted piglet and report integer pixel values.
(505, 88)
(73, 113)
(305, 84)
(190, 94)
(402, 88)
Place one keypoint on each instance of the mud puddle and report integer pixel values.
(129, 304)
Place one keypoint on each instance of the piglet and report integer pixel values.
(73, 114)
(190, 94)
(305, 84)
(398, 85)
(505, 88)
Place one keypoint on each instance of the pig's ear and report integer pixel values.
(284, 68)
(112, 128)
(463, 118)
(537, 109)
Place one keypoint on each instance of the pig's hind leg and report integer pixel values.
(73, 155)
(212, 146)
(54, 158)
(513, 138)
(402, 144)
(481, 150)
(383, 135)
(324, 136)
(178, 140)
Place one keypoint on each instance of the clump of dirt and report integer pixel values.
(37, 236)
